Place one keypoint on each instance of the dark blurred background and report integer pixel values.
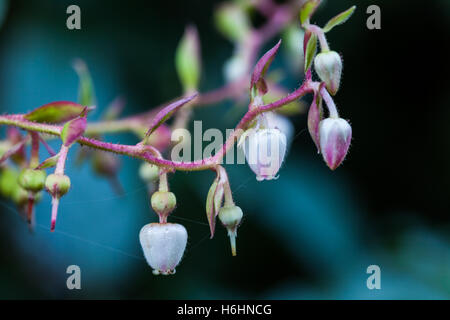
(310, 234)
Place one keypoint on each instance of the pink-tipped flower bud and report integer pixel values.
(328, 66)
(265, 150)
(335, 137)
(163, 202)
(231, 217)
(163, 246)
(57, 185)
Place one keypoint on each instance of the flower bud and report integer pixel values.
(328, 66)
(149, 172)
(265, 150)
(231, 217)
(163, 202)
(32, 180)
(57, 184)
(163, 246)
(8, 181)
(105, 164)
(335, 137)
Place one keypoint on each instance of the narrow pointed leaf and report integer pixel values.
(339, 19)
(187, 59)
(261, 68)
(48, 163)
(308, 10)
(167, 112)
(214, 200)
(86, 91)
(310, 51)
(56, 112)
(210, 206)
(13, 150)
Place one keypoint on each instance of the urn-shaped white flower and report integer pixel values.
(335, 137)
(265, 150)
(328, 66)
(163, 246)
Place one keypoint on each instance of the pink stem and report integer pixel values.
(61, 160)
(329, 102)
(150, 154)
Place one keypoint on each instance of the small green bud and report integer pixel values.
(105, 164)
(57, 184)
(231, 217)
(32, 180)
(163, 202)
(8, 181)
(149, 172)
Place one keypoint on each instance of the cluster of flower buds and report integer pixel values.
(332, 135)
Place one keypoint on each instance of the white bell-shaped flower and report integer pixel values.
(163, 246)
(264, 150)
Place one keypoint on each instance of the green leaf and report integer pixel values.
(311, 49)
(339, 19)
(48, 163)
(187, 59)
(211, 212)
(86, 91)
(232, 21)
(307, 10)
(55, 112)
(214, 200)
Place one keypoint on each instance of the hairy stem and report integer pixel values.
(321, 36)
(151, 154)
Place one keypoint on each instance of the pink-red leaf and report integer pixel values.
(163, 115)
(261, 68)
(74, 129)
